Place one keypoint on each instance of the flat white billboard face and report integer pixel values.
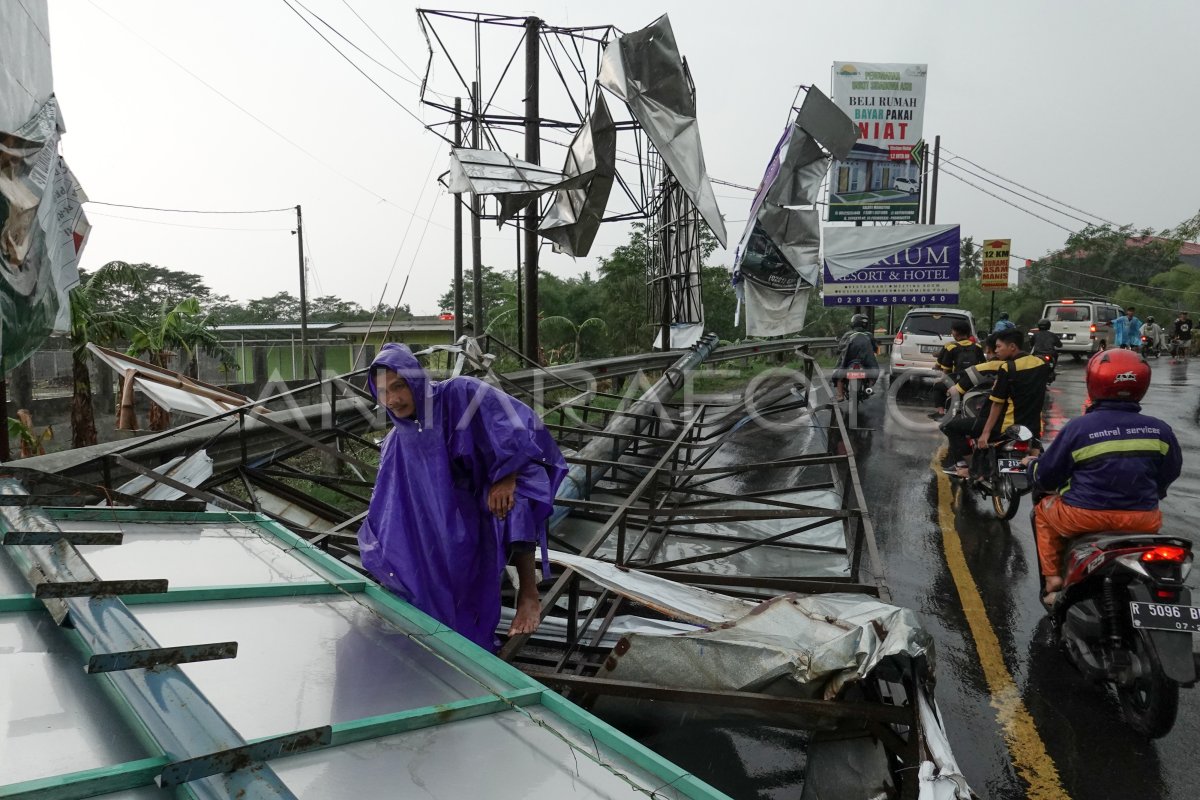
(881, 180)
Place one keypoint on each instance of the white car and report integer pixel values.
(909, 185)
(1082, 323)
(921, 337)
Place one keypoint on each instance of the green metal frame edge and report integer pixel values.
(89, 782)
(672, 774)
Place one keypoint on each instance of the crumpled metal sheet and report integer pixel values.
(192, 470)
(170, 389)
(800, 173)
(574, 215)
(939, 778)
(645, 70)
(796, 232)
(677, 600)
(827, 123)
(515, 182)
(798, 645)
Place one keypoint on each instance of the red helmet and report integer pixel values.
(1117, 375)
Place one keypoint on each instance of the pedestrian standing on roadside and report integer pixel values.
(1128, 331)
(1181, 335)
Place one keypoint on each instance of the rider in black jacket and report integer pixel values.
(857, 346)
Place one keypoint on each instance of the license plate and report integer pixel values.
(1165, 616)
(1010, 465)
(931, 348)
(856, 376)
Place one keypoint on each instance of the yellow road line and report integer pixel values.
(1025, 745)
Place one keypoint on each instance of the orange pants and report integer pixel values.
(1056, 522)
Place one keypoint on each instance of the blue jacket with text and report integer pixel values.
(1112, 458)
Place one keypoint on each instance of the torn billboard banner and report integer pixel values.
(575, 214)
(644, 69)
(891, 265)
(880, 181)
(778, 258)
(42, 232)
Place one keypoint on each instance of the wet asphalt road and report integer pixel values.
(1052, 734)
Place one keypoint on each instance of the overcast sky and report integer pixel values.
(1085, 102)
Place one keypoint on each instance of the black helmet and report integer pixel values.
(1043, 324)
(1149, 319)
(859, 321)
(1003, 315)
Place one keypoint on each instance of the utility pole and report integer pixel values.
(533, 52)
(520, 290)
(925, 183)
(937, 157)
(303, 296)
(5, 454)
(458, 248)
(478, 322)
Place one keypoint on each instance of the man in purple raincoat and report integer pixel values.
(467, 479)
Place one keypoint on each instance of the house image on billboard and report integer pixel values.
(872, 171)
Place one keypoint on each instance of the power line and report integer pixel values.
(1076, 289)
(1007, 202)
(948, 163)
(248, 113)
(189, 210)
(381, 40)
(1035, 191)
(348, 41)
(185, 225)
(1119, 281)
(350, 61)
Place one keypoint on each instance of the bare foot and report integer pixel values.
(528, 617)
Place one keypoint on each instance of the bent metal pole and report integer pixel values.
(579, 481)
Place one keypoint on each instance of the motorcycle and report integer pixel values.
(997, 472)
(1124, 618)
(859, 386)
(1052, 360)
(1150, 349)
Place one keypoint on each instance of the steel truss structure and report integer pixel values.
(648, 193)
(658, 481)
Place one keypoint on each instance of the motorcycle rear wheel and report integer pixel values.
(1005, 500)
(1152, 701)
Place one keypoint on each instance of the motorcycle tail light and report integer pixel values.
(1165, 553)
(1165, 594)
(1020, 447)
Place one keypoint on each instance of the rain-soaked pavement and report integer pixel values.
(1022, 722)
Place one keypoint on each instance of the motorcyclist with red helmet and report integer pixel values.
(1106, 470)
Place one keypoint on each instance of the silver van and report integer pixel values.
(1082, 323)
(921, 336)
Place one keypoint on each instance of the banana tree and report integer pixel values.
(576, 330)
(181, 330)
(90, 324)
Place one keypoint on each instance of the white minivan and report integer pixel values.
(1082, 323)
(921, 337)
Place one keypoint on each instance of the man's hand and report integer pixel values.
(982, 442)
(502, 496)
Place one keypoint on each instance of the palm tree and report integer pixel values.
(181, 328)
(89, 324)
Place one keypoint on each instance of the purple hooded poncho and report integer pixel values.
(429, 536)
